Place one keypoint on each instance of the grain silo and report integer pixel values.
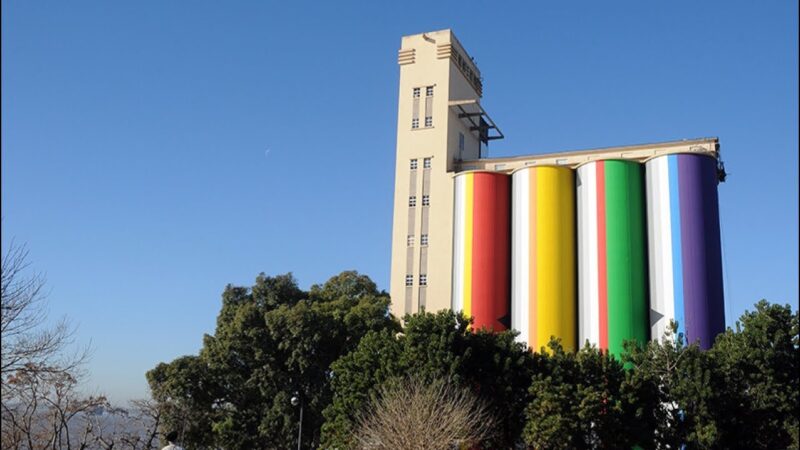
(543, 273)
(481, 249)
(684, 247)
(612, 264)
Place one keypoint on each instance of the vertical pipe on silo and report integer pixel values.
(612, 281)
(459, 244)
(684, 247)
(481, 254)
(543, 242)
(521, 303)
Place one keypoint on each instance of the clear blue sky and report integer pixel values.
(153, 152)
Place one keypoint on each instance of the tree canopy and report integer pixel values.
(585, 400)
(272, 340)
(337, 348)
(433, 347)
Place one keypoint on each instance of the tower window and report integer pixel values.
(416, 92)
(413, 164)
(410, 240)
(428, 121)
(423, 240)
(414, 123)
(409, 280)
(412, 200)
(426, 200)
(460, 142)
(429, 91)
(426, 163)
(423, 280)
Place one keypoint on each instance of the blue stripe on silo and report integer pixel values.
(675, 228)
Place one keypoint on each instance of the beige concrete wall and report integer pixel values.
(427, 60)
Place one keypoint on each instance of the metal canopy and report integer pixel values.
(471, 112)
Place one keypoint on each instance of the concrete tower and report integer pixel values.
(439, 124)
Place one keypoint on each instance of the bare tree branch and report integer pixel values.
(38, 375)
(426, 416)
(27, 344)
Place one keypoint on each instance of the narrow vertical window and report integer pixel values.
(415, 109)
(413, 164)
(460, 142)
(426, 163)
(423, 240)
(409, 280)
(412, 201)
(410, 240)
(423, 280)
(426, 200)
(429, 106)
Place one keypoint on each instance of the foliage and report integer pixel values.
(271, 341)
(432, 346)
(759, 367)
(423, 414)
(742, 393)
(340, 351)
(680, 377)
(186, 393)
(583, 400)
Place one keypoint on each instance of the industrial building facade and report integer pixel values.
(600, 245)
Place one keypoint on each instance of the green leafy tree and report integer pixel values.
(757, 368)
(187, 396)
(338, 348)
(271, 341)
(683, 390)
(432, 346)
(583, 400)
(355, 383)
(742, 393)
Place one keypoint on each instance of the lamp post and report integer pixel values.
(297, 400)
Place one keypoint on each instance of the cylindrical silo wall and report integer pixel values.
(543, 274)
(612, 283)
(481, 239)
(684, 247)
